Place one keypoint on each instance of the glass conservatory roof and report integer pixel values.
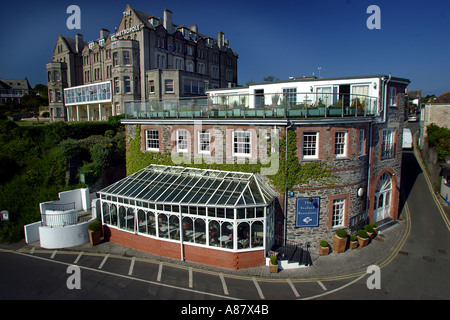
(189, 186)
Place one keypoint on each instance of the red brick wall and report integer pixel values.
(197, 254)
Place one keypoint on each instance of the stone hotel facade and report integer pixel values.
(146, 58)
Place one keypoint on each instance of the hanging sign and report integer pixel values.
(307, 212)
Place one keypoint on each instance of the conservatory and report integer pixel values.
(230, 211)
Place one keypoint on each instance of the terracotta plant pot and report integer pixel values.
(94, 237)
(363, 242)
(273, 268)
(323, 251)
(353, 245)
(339, 244)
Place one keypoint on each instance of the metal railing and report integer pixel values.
(298, 105)
(60, 206)
(64, 219)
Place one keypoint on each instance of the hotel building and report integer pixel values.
(249, 168)
(146, 58)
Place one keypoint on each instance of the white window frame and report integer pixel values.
(361, 142)
(392, 96)
(340, 144)
(240, 143)
(387, 143)
(182, 140)
(169, 86)
(338, 214)
(204, 139)
(311, 134)
(151, 139)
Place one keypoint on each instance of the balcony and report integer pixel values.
(302, 106)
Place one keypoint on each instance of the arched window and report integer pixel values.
(188, 229)
(163, 226)
(214, 233)
(151, 223)
(105, 211)
(142, 221)
(174, 227)
(243, 234)
(113, 214)
(257, 234)
(200, 231)
(129, 219)
(122, 212)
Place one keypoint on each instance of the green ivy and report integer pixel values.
(289, 174)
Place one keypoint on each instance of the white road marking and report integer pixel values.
(224, 284)
(78, 257)
(258, 288)
(191, 281)
(293, 288)
(159, 272)
(130, 272)
(53, 254)
(103, 262)
(322, 285)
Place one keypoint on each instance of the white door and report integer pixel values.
(382, 207)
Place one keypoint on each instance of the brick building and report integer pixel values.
(329, 150)
(147, 58)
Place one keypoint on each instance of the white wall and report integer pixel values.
(69, 236)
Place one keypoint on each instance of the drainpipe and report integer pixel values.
(285, 183)
(370, 138)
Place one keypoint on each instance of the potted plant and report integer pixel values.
(363, 238)
(369, 229)
(273, 265)
(95, 231)
(375, 227)
(323, 248)
(340, 240)
(353, 242)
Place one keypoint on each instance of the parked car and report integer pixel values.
(413, 117)
(407, 139)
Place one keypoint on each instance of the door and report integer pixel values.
(383, 192)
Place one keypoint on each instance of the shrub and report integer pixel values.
(373, 224)
(95, 226)
(273, 260)
(323, 243)
(341, 233)
(352, 237)
(368, 228)
(363, 234)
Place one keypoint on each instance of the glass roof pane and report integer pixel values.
(165, 184)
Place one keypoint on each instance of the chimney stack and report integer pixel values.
(220, 39)
(79, 42)
(104, 33)
(168, 25)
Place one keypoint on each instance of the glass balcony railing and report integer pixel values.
(257, 106)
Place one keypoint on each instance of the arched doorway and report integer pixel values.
(383, 195)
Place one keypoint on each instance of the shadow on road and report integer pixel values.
(410, 172)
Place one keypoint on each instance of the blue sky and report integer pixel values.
(278, 38)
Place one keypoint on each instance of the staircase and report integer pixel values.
(386, 224)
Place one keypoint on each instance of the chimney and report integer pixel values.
(194, 28)
(168, 25)
(79, 42)
(220, 39)
(104, 33)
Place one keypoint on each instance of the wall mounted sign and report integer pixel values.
(307, 212)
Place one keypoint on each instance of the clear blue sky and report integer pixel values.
(279, 38)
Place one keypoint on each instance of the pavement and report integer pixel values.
(349, 264)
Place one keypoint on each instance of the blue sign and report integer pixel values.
(307, 212)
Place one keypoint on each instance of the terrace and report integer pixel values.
(276, 105)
